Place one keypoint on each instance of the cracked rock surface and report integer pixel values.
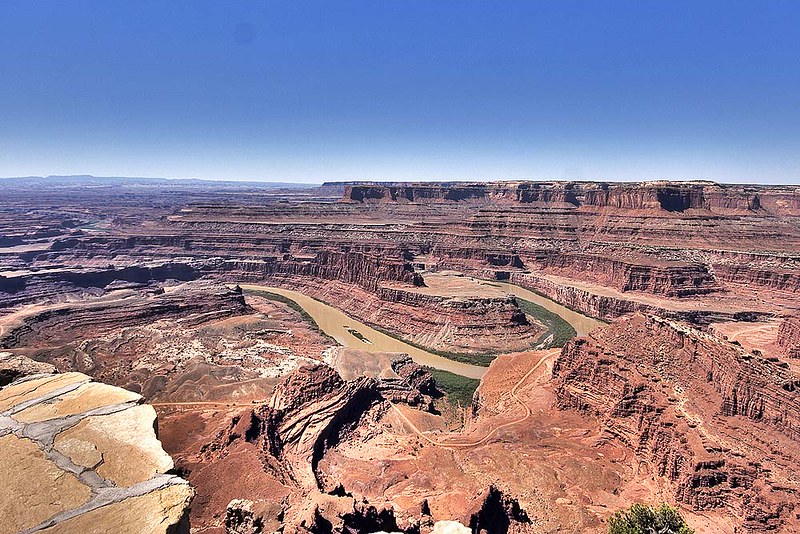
(81, 456)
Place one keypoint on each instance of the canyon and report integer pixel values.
(507, 356)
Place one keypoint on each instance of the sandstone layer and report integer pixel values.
(789, 336)
(81, 456)
(733, 249)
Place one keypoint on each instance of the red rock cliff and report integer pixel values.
(789, 336)
(721, 424)
(666, 196)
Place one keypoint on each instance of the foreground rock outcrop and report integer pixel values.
(81, 456)
(14, 366)
(285, 439)
(308, 414)
(313, 416)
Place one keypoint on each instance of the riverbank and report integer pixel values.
(339, 326)
(350, 332)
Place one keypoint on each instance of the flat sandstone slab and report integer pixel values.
(85, 398)
(126, 440)
(33, 488)
(152, 512)
(81, 456)
(18, 392)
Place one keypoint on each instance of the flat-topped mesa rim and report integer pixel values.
(568, 184)
(456, 183)
(659, 196)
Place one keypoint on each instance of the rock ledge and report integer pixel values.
(81, 456)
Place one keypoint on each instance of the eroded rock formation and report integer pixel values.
(789, 336)
(308, 415)
(717, 421)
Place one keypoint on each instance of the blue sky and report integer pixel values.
(402, 89)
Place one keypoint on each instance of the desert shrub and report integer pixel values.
(459, 389)
(644, 519)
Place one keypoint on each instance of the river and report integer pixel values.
(581, 323)
(341, 327)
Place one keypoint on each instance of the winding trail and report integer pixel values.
(489, 435)
(340, 326)
(337, 324)
(201, 405)
(334, 322)
(215, 405)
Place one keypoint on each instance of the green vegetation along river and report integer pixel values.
(341, 327)
(581, 323)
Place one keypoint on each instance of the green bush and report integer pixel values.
(459, 389)
(644, 519)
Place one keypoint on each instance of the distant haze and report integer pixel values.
(412, 90)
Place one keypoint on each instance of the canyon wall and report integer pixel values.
(672, 279)
(53, 284)
(789, 336)
(720, 423)
(780, 279)
(363, 269)
(672, 240)
(461, 325)
(667, 196)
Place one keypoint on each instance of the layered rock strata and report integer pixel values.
(308, 414)
(667, 196)
(362, 269)
(14, 366)
(719, 422)
(672, 279)
(35, 286)
(789, 336)
(473, 325)
(730, 246)
(116, 307)
(608, 304)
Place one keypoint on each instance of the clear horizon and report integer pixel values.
(308, 92)
(400, 181)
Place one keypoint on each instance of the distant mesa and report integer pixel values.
(659, 195)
